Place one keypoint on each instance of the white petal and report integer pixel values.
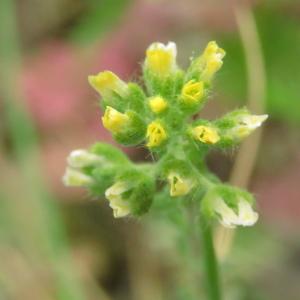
(116, 202)
(82, 158)
(115, 190)
(171, 46)
(254, 121)
(228, 216)
(120, 207)
(74, 177)
(247, 216)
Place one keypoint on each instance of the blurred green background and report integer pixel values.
(57, 243)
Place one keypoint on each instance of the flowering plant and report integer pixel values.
(164, 118)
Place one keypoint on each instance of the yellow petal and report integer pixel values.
(156, 134)
(206, 134)
(179, 186)
(161, 59)
(158, 104)
(192, 92)
(113, 120)
(106, 83)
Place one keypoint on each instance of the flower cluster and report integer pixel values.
(161, 117)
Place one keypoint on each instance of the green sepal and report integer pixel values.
(104, 178)
(172, 164)
(174, 120)
(140, 196)
(136, 98)
(227, 123)
(166, 86)
(115, 101)
(134, 133)
(195, 69)
(110, 152)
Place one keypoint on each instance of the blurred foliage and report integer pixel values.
(280, 39)
(33, 228)
(101, 16)
(262, 262)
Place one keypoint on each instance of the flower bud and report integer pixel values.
(120, 206)
(245, 216)
(156, 134)
(107, 83)
(246, 124)
(205, 134)
(192, 92)
(232, 206)
(212, 60)
(158, 104)
(237, 125)
(180, 186)
(73, 177)
(82, 158)
(205, 66)
(114, 121)
(161, 59)
(132, 193)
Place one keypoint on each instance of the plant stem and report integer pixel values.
(211, 277)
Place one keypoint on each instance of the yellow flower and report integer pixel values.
(161, 59)
(211, 60)
(156, 134)
(179, 186)
(113, 120)
(116, 202)
(106, 83)
(158, 104)
(205, 134)
(192, 92)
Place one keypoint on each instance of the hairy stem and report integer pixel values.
(211, 272)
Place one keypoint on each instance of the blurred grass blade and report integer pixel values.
(34, 222)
